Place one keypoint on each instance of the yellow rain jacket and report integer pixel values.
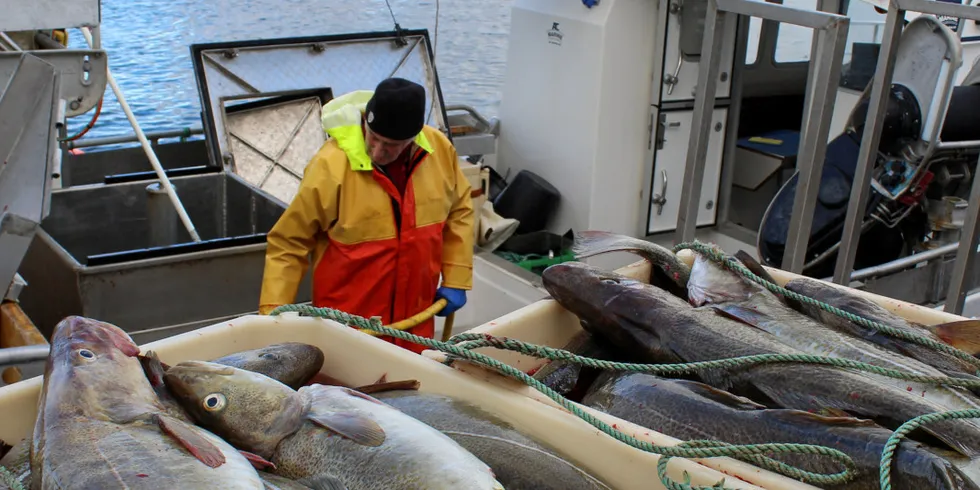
(374, 252)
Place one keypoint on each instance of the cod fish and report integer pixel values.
(668, 272)
(649, 321)
(100, 424)
(690, 410)
(569, 379)
(275, 482)
(297, 431)
(518, 462)
(964, 335)
(749, 302)
(290, 363)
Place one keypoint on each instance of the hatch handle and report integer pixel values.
(661, 198)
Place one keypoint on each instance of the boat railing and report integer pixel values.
(860, 190)
(830, 33)
(829, 39)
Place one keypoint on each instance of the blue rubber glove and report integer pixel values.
(455, 299)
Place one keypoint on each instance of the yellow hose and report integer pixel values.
(418, 318)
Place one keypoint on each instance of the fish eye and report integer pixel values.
(610, 281)
(269, 355)
(214, 402)
(86, 354)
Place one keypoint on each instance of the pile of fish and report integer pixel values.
(111, 417)
(706, 312)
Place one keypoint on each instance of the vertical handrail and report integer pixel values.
(959, 284)
(868, 152)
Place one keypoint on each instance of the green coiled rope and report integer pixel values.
(693, 449)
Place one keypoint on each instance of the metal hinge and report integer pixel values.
(650, 132)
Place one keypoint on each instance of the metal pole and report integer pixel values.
(20, 355)
(868, 154)
(129, 138)
(146, 147)
(903, 263)
(715, 22)
(959, 284)
(160, 217)
(813, 149)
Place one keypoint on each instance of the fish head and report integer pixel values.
(582, 288)
(290, 363)
(90, 362)
(710, 282)
(250, 410)
(82, 340)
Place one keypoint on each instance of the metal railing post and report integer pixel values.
(967, 252)
(868, 153)
(830, 34)
(715, 22)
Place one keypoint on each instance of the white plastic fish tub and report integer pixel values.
(546, 323)
(358, 359)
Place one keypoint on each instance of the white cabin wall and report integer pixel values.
(627, 68)
(577, 114)
(548, 122)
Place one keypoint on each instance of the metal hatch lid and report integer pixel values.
(264, 68)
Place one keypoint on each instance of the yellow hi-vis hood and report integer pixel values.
(341, 120)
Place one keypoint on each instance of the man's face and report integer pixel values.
(383, 150)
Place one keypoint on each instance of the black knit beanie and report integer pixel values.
(397, 109)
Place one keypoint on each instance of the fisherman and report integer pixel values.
(383, 208)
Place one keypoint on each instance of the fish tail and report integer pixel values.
(593, 242)
(961, 435)
(952, 477)
(964, 335)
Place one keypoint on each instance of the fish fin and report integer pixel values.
(721, 396)
(323, 379)
(153, 368)
(324, 482)
(188, 436)
(753, 265)
(964, 335)
(382, 379)
(844, 420)
(590, 243)
(356, 427)
(737, 312)
(258, 462)
(833, 412)
(358, 394)
(407, 384)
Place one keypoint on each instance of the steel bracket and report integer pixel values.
(83, 74)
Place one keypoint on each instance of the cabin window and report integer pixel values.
(752, 46)
(863, 43)
(793, 42)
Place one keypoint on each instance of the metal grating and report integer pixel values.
(272, 145)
